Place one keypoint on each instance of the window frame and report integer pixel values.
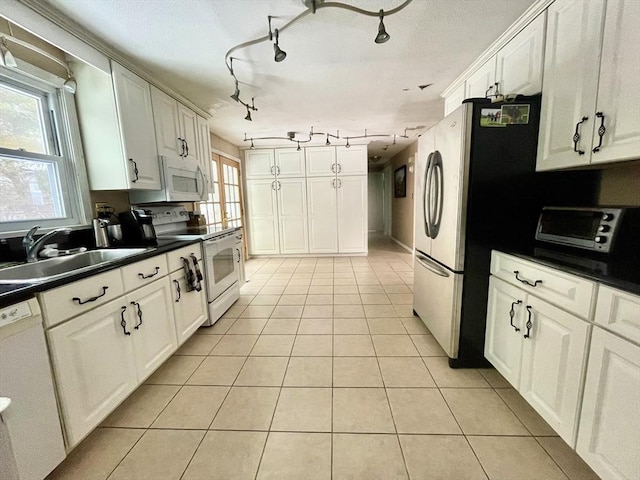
(63, 135)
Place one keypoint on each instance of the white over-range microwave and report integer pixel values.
(182, 181)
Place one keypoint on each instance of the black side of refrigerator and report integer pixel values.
(504, 198)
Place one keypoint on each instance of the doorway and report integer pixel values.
(375, 185)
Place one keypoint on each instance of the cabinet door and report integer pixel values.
(519, 62)
(263, 217)
(321, 161)
(619, 87)
(478, 84)
(204, 144)
(570, 78)
(189, 131)
(259, 164)
(552, 365)
(289, 162)
(609, 432)
(323, 214)
(352, 214)
(619, 312)
(189, 308)
(454, 100)
(135, 113)
(167, 125)
(94, 366)
(292, 215)
(503, 339)
(352, 160)
(154, 331)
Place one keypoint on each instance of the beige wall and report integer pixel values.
(620, 185)
(402, 208)
(221, 144)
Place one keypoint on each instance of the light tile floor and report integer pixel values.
(320, 371)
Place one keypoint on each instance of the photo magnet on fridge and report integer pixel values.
(514, 114)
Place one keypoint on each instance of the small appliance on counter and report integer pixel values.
(100, 226)
(137, 228)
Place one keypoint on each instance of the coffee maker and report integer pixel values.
(137, 228)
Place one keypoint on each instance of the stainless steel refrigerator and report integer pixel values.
(477, 189)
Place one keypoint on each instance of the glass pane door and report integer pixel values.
(231, 180)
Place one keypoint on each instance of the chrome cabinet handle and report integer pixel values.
(512, 314)
(273, 185)
(277, 170)
(527, 282)
(92, 299)
(333, 167)
(529, 324)
(139, 313)
(123, 322)
(135, 170)
(339, 183)
(272, 170)
(339, 168)
(601, 131)
(143, 276)
(178, 290)
(576, 136)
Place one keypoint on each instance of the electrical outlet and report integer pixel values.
(98, 207)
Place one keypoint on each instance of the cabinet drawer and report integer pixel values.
(146, 271)
(569, 292)
(619, 311)
(174, 258)
(75, 298)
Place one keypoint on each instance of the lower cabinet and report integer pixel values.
(323, 211)
(609, 434)
(100, 357)
(352, 214)
(540, 350)
(189, 308)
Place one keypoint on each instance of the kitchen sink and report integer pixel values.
(53, 268)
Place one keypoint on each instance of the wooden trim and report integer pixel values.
(225, 154)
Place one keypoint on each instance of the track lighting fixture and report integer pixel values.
(328, 142)
(252, 147)
(70, 84)
(347, 145)
(6, 57)
(298, 149)
(248, 117)
(382, 36)
(280, 54)
(236, 94)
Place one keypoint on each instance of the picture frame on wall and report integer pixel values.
(400, 182)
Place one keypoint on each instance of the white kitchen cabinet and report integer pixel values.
(352, 213)
(321, 161)
(240, 260)
(482, 82)
(351, 160)
(204, 155)
(189, 307)
(262, 216)
(519, 62)
(189, 130)
(503, 343)
(292, 215)
(259, 164)
(609, 432)
(322, 211)
(590, 80)
(454, 100)
(116, 122)
(94, 364)
(618, 312)
(289, 163)
(552, 364)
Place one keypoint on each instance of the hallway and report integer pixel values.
(321, 371)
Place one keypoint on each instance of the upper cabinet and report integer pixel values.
(289, 163)
(591, 99)
(482, 81)
(259, 164)
(116, 121)
(321, 161)
(351, 160)
(281, 163)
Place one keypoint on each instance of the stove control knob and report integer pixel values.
(604, 228)
(601, 239)
(607, 217)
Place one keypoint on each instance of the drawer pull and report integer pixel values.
(92, 299)
(576, 136)
(512, 314)
(527, 282)
(143, 276)
(601, 131)
(139, 313)
(178, 290)
(123, 322)
(529, 324)
(135, 170)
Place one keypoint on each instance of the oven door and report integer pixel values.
(221, 265)
(184, 180)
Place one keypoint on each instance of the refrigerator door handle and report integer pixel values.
(431, 266)
(436, 170)
(424, 195)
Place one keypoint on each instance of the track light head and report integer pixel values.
(236, 94)
(382, 36)
(248, 117)
(328, 142)
(70, 84)
(347, 145)
(280, 54)
(6, 57)
(252, 147)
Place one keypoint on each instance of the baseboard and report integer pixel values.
(408, 249)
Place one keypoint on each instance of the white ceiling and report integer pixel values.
(334, 77)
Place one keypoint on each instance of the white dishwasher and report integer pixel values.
(31, 443)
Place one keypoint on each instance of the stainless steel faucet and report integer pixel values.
(32, 246)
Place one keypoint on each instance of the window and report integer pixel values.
(223, 207)
(40, 181)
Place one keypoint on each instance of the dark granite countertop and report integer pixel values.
(16, 292)
(622, 272)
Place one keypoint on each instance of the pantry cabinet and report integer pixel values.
(292, 215)
(591, 97)
(116, 121)
(323, 212)
(289, 163)
(262, 216)
(352, 213)
(278, 163)
(321, 161)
